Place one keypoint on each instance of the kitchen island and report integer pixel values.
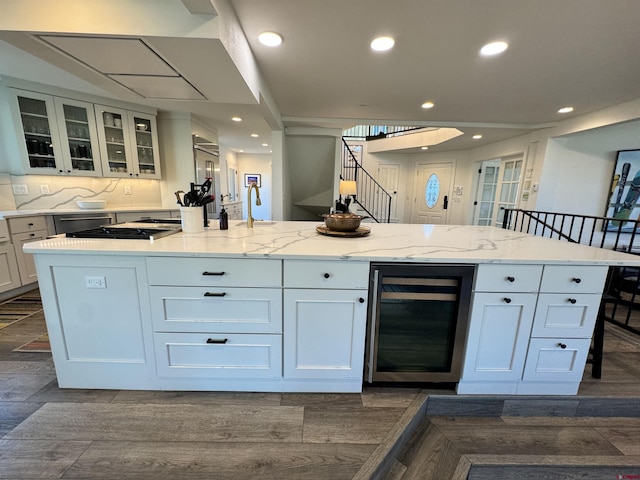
(280, 307)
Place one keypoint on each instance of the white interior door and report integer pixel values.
(432, 193)
(487, 190)
(509, 187)
(388, 177)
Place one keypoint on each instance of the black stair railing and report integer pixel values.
(371, 196)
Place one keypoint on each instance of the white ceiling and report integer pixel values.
(581, 53)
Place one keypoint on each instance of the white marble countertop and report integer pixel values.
(386, 242)
(62, 211)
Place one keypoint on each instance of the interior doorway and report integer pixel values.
(432, 193)
(486, 193)
(509, 186)
(388, 177)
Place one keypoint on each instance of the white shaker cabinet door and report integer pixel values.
(498, 336)
(324, 334)
(9, 275)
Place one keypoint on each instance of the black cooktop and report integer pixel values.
(123, 233)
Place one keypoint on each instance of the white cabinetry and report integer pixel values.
(213, 329)
(502, 312)
(9, 275)
(58, 135)
(24, 230)
(325, 311)
(234, 210)
(128, 143)
(99, 323)
(535, 341)
(564, 321)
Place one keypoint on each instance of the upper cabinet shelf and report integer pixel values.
(61, 136)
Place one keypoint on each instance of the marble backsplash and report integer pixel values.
(53, 192)
(6, 193)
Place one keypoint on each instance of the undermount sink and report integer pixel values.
(256, 223)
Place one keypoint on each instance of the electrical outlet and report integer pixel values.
(44, 189)
(95, 282)
(20, 190)
(127, 190)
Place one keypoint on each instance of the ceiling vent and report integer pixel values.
(128, 61)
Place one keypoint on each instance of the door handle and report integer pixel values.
(446, 202)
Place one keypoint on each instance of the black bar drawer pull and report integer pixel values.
(213, 274)
(217, 341)
(214, 294)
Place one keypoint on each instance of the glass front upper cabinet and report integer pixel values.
(129, 143)
(146, 145)
(79, 137)
(113, 130)
(36, 114)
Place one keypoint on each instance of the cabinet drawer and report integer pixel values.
(218, 356)
(27, 224)
(316, 274)
(508, 278)
(208, 271)
(570, 278)
(231, 309)
(565, 315)
(556, 360)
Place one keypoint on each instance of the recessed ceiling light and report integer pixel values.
(477, 137)
(566, 110)
(424, 148)
(427, 105)
(270, 39)
(381, 44)
(265, 144)
(236, 119)
(241, 151)
(255, 135)
(493, 48)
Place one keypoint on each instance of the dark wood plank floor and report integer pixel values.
(47, 432)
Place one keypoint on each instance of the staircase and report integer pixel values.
(371, 198)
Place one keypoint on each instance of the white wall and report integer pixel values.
(256, 164)
(579, 167)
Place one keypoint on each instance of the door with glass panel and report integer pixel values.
(487, 189)
(509, 186)
(79, 137)
(37, 119)
(433, 191)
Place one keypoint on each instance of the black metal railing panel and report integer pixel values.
(371, 196)
(622, 305)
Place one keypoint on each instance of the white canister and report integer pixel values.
(192, 219)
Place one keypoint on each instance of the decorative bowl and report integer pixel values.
(91, 204)
(342, 222)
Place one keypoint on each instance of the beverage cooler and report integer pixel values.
(418, 318)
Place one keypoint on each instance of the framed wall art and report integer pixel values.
(250, 178)
(623, 205)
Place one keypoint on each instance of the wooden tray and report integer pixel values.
(360, 232)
